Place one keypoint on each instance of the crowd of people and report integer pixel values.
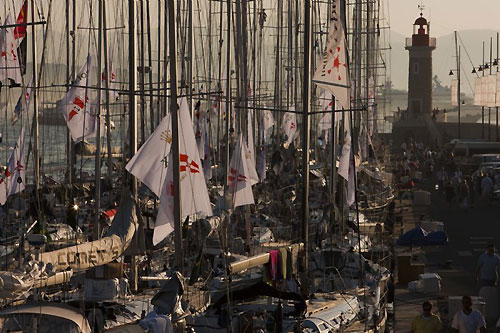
(473, 189)
(467, 320)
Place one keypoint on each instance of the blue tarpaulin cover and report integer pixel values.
(420, 237)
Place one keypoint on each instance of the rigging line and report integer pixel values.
(467, 53)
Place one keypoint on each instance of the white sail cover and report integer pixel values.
(79, 114)
(194, 195)
(149, 164)
(332, 73)
(454, 92)
(9, 60)
(289, 126)
(57, 267)
(98, 252)
(14, 174)
(492, 89)
(477, 91)
(238, 179)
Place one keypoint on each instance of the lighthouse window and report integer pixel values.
(415, 68)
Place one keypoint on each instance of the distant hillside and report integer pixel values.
(443, 56)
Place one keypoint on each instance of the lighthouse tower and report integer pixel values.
(420, 46)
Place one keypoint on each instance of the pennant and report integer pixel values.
(239, 182)
(149, 164)
(267, 123)
(250, 155)
(20, 34)
(80, 115)
(194, 194)
(22, 17)
(343, 169)
(289, 126)
(9, 61)
(14, 177)
(261, 163)
(112, 83)
(332, 73)
(23, 103)
(351, 188)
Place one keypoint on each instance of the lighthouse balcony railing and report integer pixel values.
(409, 42)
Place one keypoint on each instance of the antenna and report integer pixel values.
(421, 7)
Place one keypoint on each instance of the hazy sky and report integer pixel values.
(445, 15)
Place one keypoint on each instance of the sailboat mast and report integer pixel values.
(36, 143)
(69, 76)
(172, 32)
(132, 99)
(228, 91)
(106, 91)
(150, 65)
(132, 110)
(97, 206)
(306, 108)
(189, 81)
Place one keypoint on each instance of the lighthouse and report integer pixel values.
(420, 47)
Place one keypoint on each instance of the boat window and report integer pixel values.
(29, 322)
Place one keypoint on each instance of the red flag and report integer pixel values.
(20, 31)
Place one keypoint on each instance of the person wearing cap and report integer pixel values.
(427, 322)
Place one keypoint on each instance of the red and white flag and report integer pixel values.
(9, 59)
(194, 194)
(238, 179)
(332, 73)
(289, 126)
(326, 101)
(112, 84)
(149, 164)
(79, 114)
(14, 177)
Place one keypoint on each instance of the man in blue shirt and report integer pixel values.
(487, 265)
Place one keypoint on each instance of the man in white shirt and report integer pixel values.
(468, 320)
(487, 267)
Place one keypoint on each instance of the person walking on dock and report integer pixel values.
(468, 320)
(427, 322)
(487, 267)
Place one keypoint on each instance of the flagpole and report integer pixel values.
(174, 109)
